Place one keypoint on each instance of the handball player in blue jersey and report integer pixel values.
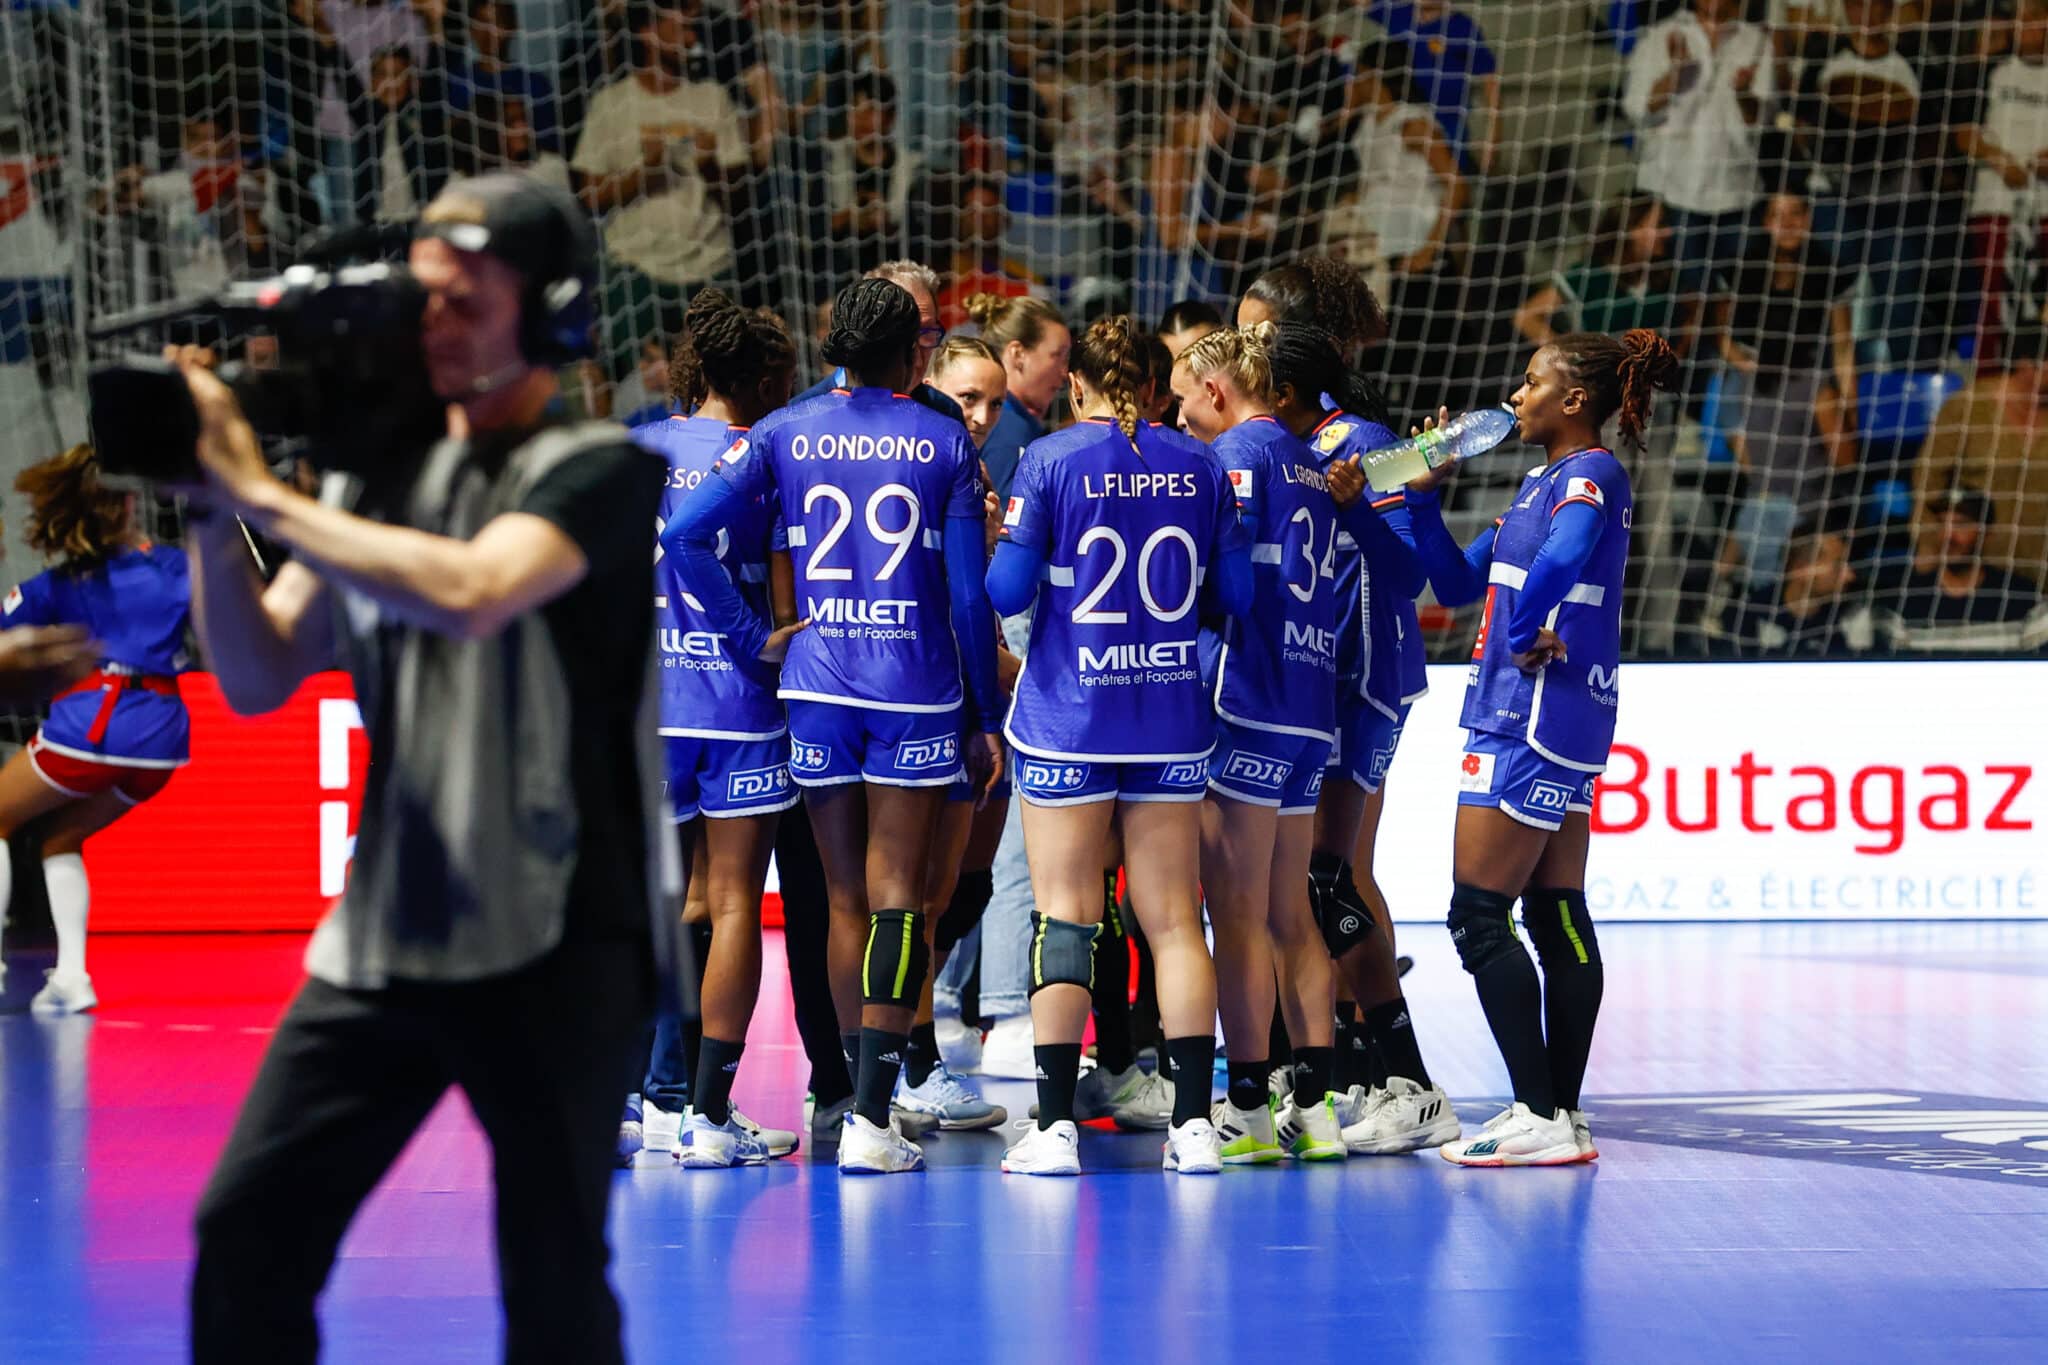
(113, 739)
(1389, 1104)
(722, 726)
(1540, 703)
(1275, 687)
(882, 503)
(1117, 535)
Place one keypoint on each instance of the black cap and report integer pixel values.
(537, 228)
(1971, 503)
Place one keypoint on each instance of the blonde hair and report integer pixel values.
(1241, 354)
(1003, 319)
(953, 350)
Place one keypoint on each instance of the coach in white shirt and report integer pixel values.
(1700, 86)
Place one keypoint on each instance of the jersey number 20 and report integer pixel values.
(1088, 613)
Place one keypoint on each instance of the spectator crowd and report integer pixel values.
(1831, 207)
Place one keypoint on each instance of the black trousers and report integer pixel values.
(806, 927)
(543, 1055)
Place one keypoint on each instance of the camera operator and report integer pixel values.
(512, 893)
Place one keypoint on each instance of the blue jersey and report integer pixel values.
(702, 693)
(865, 481)
(1277, 668)
(1379, 638)
(1566, 711)
(1127, 534)
(137, 604)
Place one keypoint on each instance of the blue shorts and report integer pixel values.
(1366, 740)
(1265, 768)
(831, 745)
(727, 778)
(1057, 782)
(1504, 773)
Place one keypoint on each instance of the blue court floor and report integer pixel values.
(1819, 1143)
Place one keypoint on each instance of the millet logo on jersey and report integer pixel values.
(1053, 777)
(808, 758)
(1312, 638)
(860, 611)
(755, 784)
(1132, 657)
(1256, 770)
(696, 644)
(928, 753)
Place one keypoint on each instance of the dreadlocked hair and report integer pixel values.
(873, 322)
(71, 516)
(725, 348)
(1240, 353)
(1111, 361)
(1620, 377)
(1323, 292)
(1306, 359)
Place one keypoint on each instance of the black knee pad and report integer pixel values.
(1062, 953)
(892, 971)
(1560, 927)
(971, 895)
(1112, 913)
(1341, 913)
(1482, 926)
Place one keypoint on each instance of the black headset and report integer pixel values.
(558, 314)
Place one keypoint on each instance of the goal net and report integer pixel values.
(1831, 208)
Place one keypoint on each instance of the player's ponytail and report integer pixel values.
(1620, 376)
(1306, 359)
(874, 322)
(1003, 318)
(72, 517)
(1241, 354)
(1110, 362)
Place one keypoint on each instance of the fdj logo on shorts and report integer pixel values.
(757, 784)
(1256, 770)
(1550, 796)
(808, 758)
(1054, 777)
(1190, 774)
(928, 753)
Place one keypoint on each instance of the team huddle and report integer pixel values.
(1215, 648)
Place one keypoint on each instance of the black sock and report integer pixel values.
(881, 1057)
(717, 1063)
(1279, 1048)
(1145, 1029)
(1573, 982)
(1354, 1054)
(1188, 1063)
(923, 1053)
(1249, 1087)
(1394, 1034)
(1315, 1071)
(849, 1043)
(1114, 1050)
(1059, 1067)
(1512, 997)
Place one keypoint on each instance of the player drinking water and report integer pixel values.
(724, 732)
(882, 500)
(1540, 710)
(113, 740)
(1113, 533)
(1275, 673)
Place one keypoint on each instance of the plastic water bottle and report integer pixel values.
(1468, 434)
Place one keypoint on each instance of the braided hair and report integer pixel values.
(1619, 376)
(1111, 360)
(1241, 353)
(72, 516)
(873, 323)
(1305, 358)
(725, 348)
(1324, 292)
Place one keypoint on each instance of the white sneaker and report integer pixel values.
(660, 1127)
(1194, 1148)
(959, 1045)
(1006, 1053)
(1582, 1135)
(778, 1141)
(629, 1141)
(1355, 1103)
(1247, 1136)
(1517, 1137)
(1280, 1085)
(1312, 1133)
(867, 1150)
(1046, 1151)
(704, 1145)
(1402, 1117)
(825, 1124)
(70, 993)
(948, 1101)
(1138, 1100)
